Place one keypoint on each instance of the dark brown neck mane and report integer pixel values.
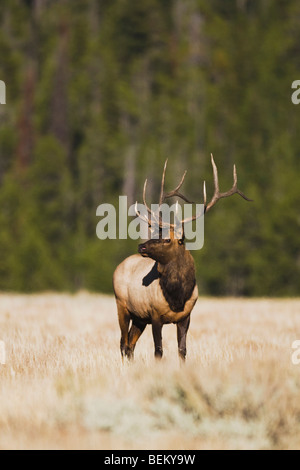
(177, 280)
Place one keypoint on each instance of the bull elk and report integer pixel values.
(158, 285)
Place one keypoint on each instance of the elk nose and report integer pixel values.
(142, 248)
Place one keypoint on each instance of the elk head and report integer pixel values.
(162, 249)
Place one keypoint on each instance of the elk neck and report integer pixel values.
(177, 279)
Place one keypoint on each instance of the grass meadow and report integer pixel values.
(64, 386)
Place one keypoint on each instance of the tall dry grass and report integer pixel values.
(64, 386)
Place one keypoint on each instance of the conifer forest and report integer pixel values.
(100, 93)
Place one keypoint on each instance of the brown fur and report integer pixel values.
(177, 281)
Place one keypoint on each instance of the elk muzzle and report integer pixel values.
(142, 249)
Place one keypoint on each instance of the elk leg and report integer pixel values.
(124, 319)
(156, 331)
(182, 329)
(135, 332)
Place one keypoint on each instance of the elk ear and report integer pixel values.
(181, 240)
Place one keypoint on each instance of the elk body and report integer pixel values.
(158, 285)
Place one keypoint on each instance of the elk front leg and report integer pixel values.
(182, 329)
(135, 332)
(124, 319)
(156, 331)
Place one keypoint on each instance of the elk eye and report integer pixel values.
(180, 242)
(167, 240)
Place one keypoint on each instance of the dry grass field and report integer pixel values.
(64, 385)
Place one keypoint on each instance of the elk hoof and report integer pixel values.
(158, 353)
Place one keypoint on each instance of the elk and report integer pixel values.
(158, 286)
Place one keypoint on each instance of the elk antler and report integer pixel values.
(162, 198)
(217, 195)
(175, 192)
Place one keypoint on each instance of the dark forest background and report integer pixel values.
(100, 93)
